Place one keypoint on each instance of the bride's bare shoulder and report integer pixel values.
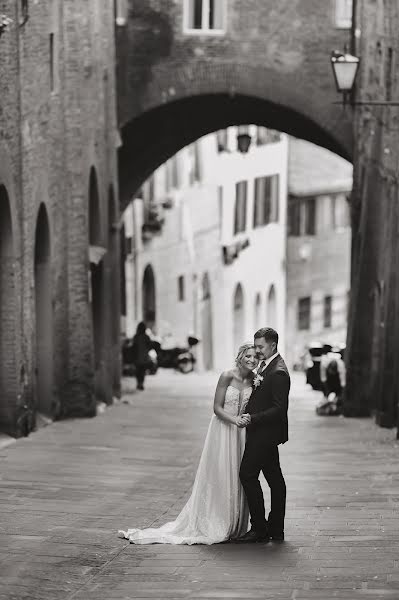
(226, 377)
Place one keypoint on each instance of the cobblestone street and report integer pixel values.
(68, 488)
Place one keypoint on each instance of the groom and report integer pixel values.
(267, 426)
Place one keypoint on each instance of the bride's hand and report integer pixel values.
(243, 420)
(246, 419)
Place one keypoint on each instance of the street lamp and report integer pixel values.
(243, 139)
(345, 67)
(243, 142)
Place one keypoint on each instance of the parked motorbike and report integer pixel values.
(180, 358)
(312, 361)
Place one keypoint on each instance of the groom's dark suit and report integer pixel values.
(268, 406)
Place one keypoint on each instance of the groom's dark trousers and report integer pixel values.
(268, 408)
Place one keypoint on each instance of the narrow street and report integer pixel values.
(66, 490)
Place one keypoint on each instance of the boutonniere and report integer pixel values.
(257, 380)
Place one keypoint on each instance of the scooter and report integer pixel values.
(181, 359)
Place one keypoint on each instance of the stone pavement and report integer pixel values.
(68, 488)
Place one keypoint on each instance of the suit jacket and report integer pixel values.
(268, 406)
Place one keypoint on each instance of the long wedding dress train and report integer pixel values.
(217, 508)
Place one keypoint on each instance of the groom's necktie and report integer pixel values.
(261, 366)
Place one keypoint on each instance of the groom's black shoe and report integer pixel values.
(253, 537)
(277, 537)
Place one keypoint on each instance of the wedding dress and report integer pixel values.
(217, 508)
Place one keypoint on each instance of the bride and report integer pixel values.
(216, 509)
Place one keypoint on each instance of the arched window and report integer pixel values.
(149, 297)
(44, 315)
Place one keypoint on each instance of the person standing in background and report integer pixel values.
(141, 346)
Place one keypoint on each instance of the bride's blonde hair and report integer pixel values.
(242, 351)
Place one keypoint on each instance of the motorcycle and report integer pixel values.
(180, 358)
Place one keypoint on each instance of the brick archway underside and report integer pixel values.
(156, 134)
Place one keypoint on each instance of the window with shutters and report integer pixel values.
(301, 216)
(327, 311)
(266, 200)
(180, 289)
(205, 16)
(343, 14)
(240, 216)
(304, 306)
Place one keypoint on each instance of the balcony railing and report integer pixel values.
(153, 223)
(232, 251)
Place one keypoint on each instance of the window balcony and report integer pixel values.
(232, 251)
(154, 222)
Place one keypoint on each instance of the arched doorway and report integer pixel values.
(271, 313)
(8, 379)
(96, 282)
(44, 315)
(122, 275)
(114, 308)
(206, 324)
(149, 309)
(258, 312)
(238, 318)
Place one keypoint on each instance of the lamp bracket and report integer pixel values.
(369, 103)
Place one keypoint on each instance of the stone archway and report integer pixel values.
(154, 136)
(206, 324)
(271, 313)
(174, 87)
(149, 301)
(8, 376)
(238, 318)
(44, 315)
(113, 259)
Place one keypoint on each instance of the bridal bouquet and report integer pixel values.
(257, 380)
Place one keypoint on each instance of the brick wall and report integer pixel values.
(13, 349)
(373, 365)
(50, 137)
(271, 66)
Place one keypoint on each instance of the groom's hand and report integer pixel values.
(245, 420)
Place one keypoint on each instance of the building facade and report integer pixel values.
(215, 267)
(318, 248)
(58, 193)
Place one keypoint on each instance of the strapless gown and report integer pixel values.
(217, 508)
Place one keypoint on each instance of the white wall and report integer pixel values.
(191, 245)
(262, 264)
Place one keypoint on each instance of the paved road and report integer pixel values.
(68, 488)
